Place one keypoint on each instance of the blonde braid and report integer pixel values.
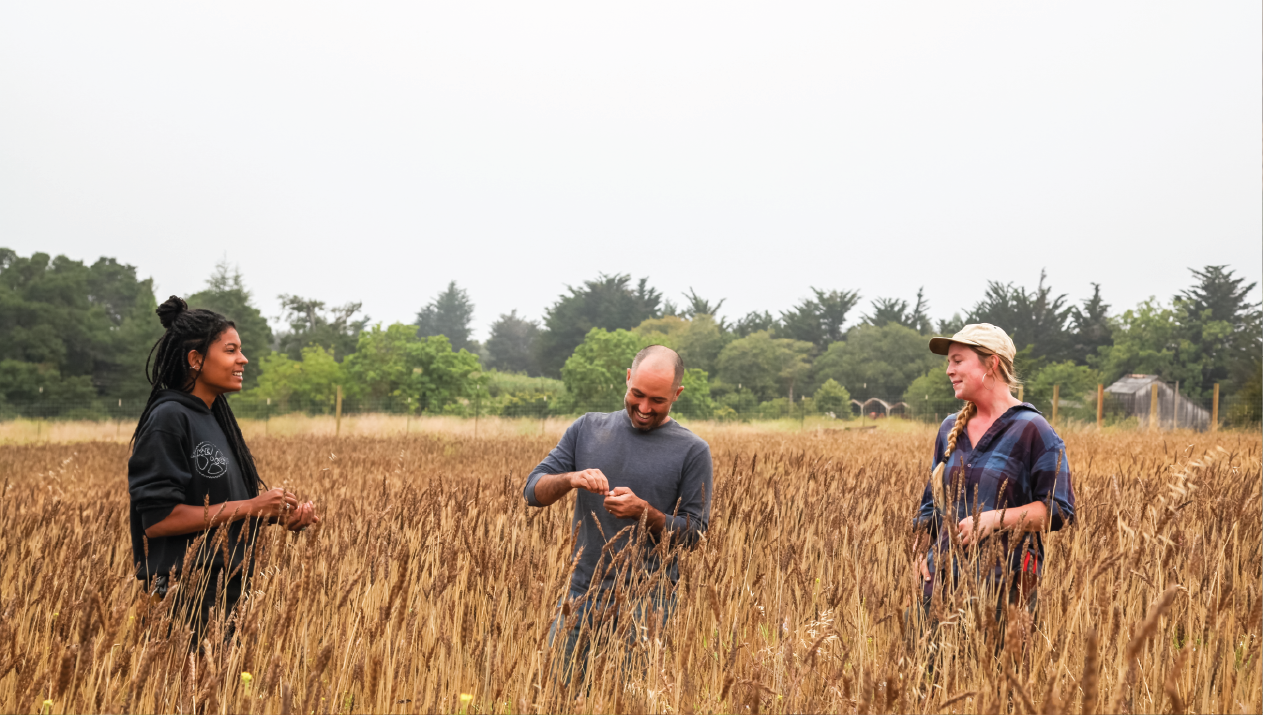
(936, 479)
(962, 418)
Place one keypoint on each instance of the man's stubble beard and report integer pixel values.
(659, 417)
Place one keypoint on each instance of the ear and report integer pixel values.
(629, 376)
(195, 360)
(678, 391)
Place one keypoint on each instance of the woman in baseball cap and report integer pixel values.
(1000, 475)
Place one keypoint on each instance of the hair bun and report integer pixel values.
(170, 310)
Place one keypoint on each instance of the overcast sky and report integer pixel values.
(749, 151)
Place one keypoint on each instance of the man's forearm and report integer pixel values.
(551, 487)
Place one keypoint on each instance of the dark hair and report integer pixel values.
(168, 369)
(677, 363)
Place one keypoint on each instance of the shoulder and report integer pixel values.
(686, 435)
(167, 417)
(1034, 428)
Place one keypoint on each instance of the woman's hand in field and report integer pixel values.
(923, 565)
(971, 531)
(303, 517)
(272, 503)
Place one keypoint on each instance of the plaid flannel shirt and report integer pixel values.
(1019, 460)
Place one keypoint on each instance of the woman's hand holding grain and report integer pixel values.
(273, 502)
(303, 517)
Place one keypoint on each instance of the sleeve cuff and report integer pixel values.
(155, 515)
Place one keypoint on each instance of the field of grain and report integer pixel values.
(431, 587)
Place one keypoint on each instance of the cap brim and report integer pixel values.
(940, 346)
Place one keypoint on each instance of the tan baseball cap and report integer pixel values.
(983, 335)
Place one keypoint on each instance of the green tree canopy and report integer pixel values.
(766, 366)
(756, 321)
(1077, 390)
(511, 347)
(596, 373)
(311, 323)
(1036, 318)
(1147, 341)
(76, 322)
(609, 302)
(877, 361)
(1089, 327)
(819, 321)
(1219, 329)
(226, 293)
(394, 363)
(449, 314)
(931, 393)
(288, 385)
(832, 397)
(893, 310)
(698, 340)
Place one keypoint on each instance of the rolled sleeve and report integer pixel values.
(559, 461)
(158, 475)
(1052, 486)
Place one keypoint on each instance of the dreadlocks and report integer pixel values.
(168, 369)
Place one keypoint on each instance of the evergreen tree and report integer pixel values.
(609, 302)
(1036, 318)
(511, 347)
(74, 330)
(819, 321)
(1219, 327)
(449, 315)
(337, 330)
(1090, 327)
(754, 322)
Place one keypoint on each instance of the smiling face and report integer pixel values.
(223, 368)
(650, 393)
(968, 372)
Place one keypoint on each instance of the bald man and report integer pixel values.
(624, 466)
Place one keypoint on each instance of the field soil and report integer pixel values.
(430, 586)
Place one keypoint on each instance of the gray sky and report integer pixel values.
(746, 150)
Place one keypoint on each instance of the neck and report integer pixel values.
(994, 403)
(204, 393)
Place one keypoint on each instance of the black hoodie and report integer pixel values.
(181, 456)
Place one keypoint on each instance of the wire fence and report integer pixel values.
(1162, 408)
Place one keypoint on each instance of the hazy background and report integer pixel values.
(374, 154)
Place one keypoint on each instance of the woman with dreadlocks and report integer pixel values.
(1000, 476)
(187, 453)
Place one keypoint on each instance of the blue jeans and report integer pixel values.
(601, 617)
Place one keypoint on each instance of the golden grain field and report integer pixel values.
(430, 586)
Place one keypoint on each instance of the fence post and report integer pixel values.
(1021, 389)
(1153, 406)
(1056, 399)
(477, 409)
(1100, 405)
(337, 411)
(1175, 407)
(1214, 410)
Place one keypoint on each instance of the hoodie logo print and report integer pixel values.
(210, 462)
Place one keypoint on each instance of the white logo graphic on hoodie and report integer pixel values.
(210, 462)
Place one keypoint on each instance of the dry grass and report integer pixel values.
(431, 578)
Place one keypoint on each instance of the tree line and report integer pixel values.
(77, 335)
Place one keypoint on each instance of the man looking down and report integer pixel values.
(625, 466)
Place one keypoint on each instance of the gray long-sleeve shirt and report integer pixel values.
(669, 467)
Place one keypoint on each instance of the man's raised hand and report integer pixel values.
(592, 480)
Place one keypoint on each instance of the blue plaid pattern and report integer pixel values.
(1019, 460)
